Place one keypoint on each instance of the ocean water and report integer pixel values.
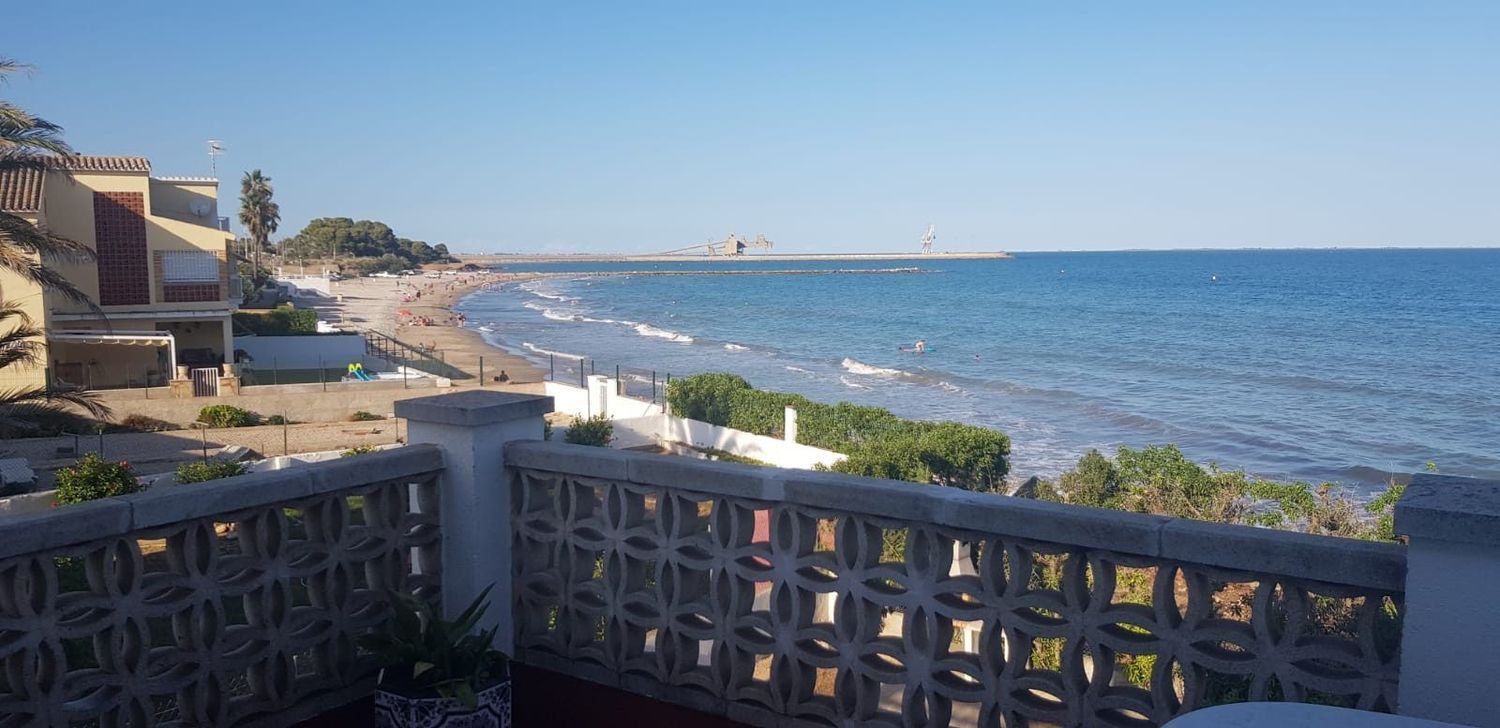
(1339, 365)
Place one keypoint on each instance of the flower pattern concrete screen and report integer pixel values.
(832, 615)
(240, 616)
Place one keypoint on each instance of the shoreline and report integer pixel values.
(379, 304)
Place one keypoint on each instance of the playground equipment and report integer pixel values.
(357, 371)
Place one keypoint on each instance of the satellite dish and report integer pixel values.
(200, 207)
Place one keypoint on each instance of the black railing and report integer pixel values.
(400, 353)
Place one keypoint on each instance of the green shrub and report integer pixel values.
(704, 397)
(224, 415)
(144, 423)
(92, 478)
(597, 431)
(279, 420)
(363, 416)
(284, 320)
(201, 470)
(358, 450)
(878, 443)
(763, 413)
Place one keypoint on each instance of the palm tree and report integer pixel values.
(28, 142)
(22, 408)
(258, 213)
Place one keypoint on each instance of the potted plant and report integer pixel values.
(438, 672)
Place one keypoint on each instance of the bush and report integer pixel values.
(92, 478)
(704, 397)
(279, 420)
(144, 423)
(878, 443)
(597, 431)
(358, 450)
(284, 320)
(363, 416)
(1159, 479)
(224, 415)
(201, 470)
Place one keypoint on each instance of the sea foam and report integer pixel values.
(855, 366)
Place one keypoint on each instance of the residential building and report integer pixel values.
(162, 277)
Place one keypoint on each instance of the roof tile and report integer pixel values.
(21, 189)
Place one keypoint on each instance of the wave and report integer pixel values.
(649, 330)
(736, 347)
(855, 366)
(851, 385)
(799, 370)
(487, 328)
(559, 316)
(547, 352)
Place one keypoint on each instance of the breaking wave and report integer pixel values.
(855, 366)
(649, 330)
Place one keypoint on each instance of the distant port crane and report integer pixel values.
(928, 239)
(731, 246)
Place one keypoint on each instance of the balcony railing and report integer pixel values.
(765, 595)
(844, 600)
(217, 604)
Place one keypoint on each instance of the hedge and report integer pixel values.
(283, 320)
(877, 443)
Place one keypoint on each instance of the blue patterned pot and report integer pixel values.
(396, 710)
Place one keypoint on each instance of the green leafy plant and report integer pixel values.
(279, 420)
(421, 651)
(284, 320)
(92, 478)
(358, 450)
(704, 397)
(597, 431)
(363, 416)
(876, 442)
(202, 470)
(225, 415)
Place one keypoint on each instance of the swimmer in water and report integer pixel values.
(921, 346)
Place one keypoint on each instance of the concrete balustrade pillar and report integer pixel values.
(472, 428)
(789, 424)
(1450, 640)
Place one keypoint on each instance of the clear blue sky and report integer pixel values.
(823, 125)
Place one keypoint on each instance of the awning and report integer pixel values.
(123, 338)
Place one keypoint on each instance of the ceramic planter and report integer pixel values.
(428, 710)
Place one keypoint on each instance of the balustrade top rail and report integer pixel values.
(764, 594)
(221, 603)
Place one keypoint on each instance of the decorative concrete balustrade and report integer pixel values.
(760, 593)
(229, 602)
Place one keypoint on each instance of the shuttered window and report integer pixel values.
(189, 266)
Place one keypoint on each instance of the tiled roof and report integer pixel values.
(21, 190)
(87, 163)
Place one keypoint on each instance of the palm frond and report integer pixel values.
(22, 407)
(23, 248)
(22, 342)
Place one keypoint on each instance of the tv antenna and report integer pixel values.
(215, 148)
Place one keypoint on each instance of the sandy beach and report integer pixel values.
(418, 311)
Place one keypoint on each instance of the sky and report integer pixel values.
(826, 126)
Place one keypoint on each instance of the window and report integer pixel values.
(189, 266)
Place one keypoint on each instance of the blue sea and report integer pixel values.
(1341, 365)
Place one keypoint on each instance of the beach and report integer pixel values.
(392, 306)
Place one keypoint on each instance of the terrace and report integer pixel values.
(729, 593)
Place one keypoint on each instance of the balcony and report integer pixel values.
(727, 593)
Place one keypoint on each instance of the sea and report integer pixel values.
(1320, 365)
